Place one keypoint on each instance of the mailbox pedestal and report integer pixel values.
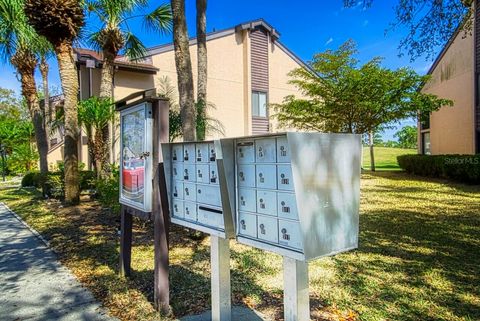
(220, 279)
(295, 290)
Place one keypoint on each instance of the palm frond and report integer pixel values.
(159, 20)
(134, 49)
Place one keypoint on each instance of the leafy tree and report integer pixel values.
(407, 137)
(344, 97)
(60, 21)
(202, 68)
(430, 23)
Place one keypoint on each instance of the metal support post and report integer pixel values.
(220, 266)
(296, 298)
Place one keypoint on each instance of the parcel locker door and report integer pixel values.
(265, 150)
(189, 192)
(189, 153)
(284, 179)
(266, 176)
(213, 173)
(177, 190)
(247, 200)
(287, 206)
(189, 173)
(190, 211)
(246, 175)
(245, 152)
(267, 229)
(201, 153)
(289, 234)
(267, 202)
(209, 194)
(177, 153)
(202, 174)
(283, 152)
(212, 155)
(177, 208)
(211, 216)
(247, 224)
(177, 171)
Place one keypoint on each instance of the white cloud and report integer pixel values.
(329, 41)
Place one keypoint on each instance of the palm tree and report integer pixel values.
(60, 21)
(202, 67)
(184, 70)
(19, 44)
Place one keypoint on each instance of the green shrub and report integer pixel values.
(30, 179)
(108, 191)
(87, 180)
(54, 186)
(462, 168)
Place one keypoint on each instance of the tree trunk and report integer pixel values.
(372, 158)
(48, 110)
(106, 92)
(68, 76)
(184, 70)
(202, 68)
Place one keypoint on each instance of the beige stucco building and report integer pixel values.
(454, 76)
(248, 69)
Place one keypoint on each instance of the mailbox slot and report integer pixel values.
(287, 206)
(177, 208)
(265, 150)
(267, 202)
(245, 152)
(283, 151)
(202, 153)
(177, 153)
(202, 174)
(267, 228)
(289, 234)
(177, 190)
(189, 192)
(177, 171)
(189, 153)
(247, 200)
(209, 195)
(210, 216)
(213, 174)
(284, 178)
(212, 154)
(190, 211)
(247, 224)
(246, 175)
(266, 176)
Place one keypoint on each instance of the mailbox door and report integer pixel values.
(209, 195)
(246, 175)
(177, 190)
(189, 172)
(267, 202)
(266, 176)
(267, 229)
(190, 211)
(177, 153)
(247, 200)
(245, 152)
(289, 234)
(283, 152)
(177, 208)
(201, 153)
(189, 192)
(284, 178)
(265, 150)
(287, 206)
(247, 224)
(213, 173)
(189, 153)
(202, 173)
(210, 216)
(177, 171)
(212, 155)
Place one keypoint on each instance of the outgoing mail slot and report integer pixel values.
(247, 224)
(202, 173)
(246, 175)
(177, 153)
(189, 153)
(212, 155)
(283, 152)
(177, 189)
(211, 216)
(267, 202)
(265, 150)
(209, 194)
(190, 211)
(245, 152)
(177, 208)
(189, 173)
(289, 234)
(177, 171)
(267, 229)
(213, 174)
(266, 176)
(201, 153)
(246, 200)
(284, 179)
(189, 192)
(287, 206)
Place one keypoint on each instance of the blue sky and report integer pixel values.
(306, 27)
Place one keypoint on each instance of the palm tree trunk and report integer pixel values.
(372, 157)
(68, 76)
(48, 110)
(106, 91)
(184, 70)
(202, 68)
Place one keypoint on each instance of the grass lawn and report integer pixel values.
(385, 157)
(419, 257)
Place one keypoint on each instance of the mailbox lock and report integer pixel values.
(240, 151)
(212, 155)
(285, 236)
(262, 204)
(213, 179)
(199, 155)
(175, 207)
(242, 177)
(260, 152)
(283, 152)
(199, 191)
(186, 155)
(174, 157)
(284, 180)
(285, 209)
(175, 192)
(185, 173)
(200, 174)
(186, 191)
(262, 179)
(242, 223)
(242, 200)
(262, 229)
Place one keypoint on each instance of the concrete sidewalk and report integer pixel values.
(33, 284)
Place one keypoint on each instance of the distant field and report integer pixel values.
(385, 157)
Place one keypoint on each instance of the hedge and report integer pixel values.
(462, 168)
(53, 182)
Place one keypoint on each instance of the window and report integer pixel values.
(259, 104)
(426, 143)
